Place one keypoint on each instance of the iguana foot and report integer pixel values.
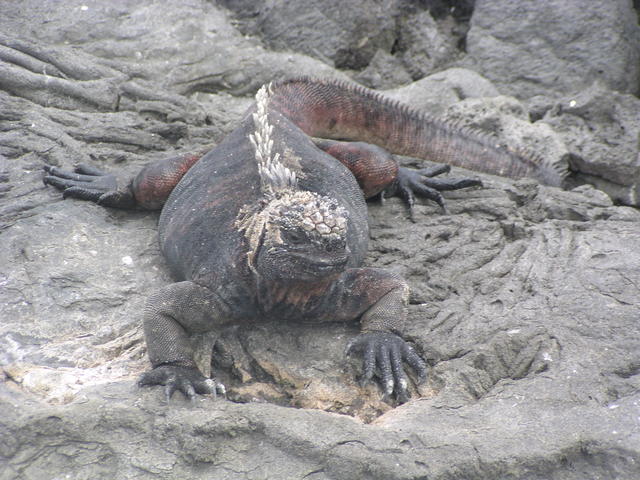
(89, 183)
(387, 351)
(410, 183)
(188, 380)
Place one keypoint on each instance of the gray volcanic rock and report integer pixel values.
(384, 71)
(343, 34)
(560, 46)
(424, 48)
(437, 92)
(602, 130)
(186, 48)
(525, 298)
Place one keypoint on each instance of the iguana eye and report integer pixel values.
(295, 237)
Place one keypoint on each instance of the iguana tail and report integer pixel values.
(339, 110)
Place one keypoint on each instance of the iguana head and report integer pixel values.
(298, 235)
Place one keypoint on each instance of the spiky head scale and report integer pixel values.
(320, 217)
(314, 213)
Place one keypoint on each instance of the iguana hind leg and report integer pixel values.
(377, 172)
(89, 183)
(148, 190)
(153, 185)
(411, 183)
(373, 167)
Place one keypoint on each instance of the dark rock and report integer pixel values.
(458, 9)
(384, 71)
(346, 35)
(601, 128)
(535, 48)
(422, 45)
(524, 298)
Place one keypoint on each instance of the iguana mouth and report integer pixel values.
(324, 263)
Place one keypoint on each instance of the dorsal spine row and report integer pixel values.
(274, 175)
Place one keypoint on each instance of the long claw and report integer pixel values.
(84, 176)
(417, 363)
(77, 176)
(89, 183)
(386, 372)
(189, 391)
(212, 387)
(435, 170)
(406, 194)
(451, 183)
(409, 183)
(60, 183)
(428, 192)
(169, 389)
(398, 371)
(187, 380)
(369, 364)
(89, 170)
(387, 352)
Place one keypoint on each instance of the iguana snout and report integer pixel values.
(293, 250)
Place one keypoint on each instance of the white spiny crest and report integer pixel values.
(273, 174)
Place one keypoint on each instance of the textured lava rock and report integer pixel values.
(524, 298)
(563, 46)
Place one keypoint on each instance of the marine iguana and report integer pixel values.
(272, 223)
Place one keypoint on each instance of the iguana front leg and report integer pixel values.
(387, 352)
(379, 299)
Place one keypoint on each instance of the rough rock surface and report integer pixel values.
(600, 127)
(346, 34)
(525, 299)
(581, 41)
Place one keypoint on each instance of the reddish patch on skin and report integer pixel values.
(372, 166)
(373, 283)
(299, 294)
(315, 115)
(330, 109)
(153, 185)
(296, 300)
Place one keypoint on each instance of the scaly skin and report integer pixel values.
(339, 110)
(269, 224)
